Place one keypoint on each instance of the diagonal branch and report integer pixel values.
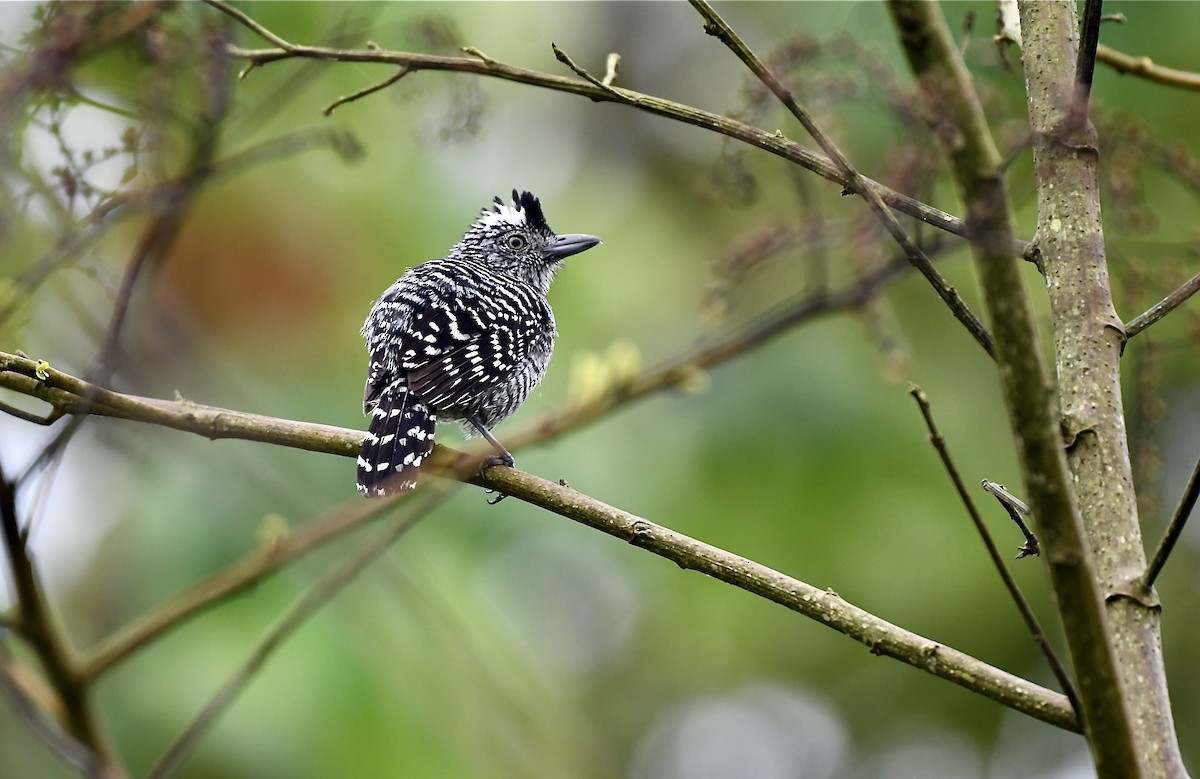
(771, 142)
(37, 707)
(1186, 503)
(350, 98)
(717, 26)
(1163, 307)
(824, 606)
(1031, 621)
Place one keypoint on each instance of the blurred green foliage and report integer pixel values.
(500, 641)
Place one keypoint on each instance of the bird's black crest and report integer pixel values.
(525, 201)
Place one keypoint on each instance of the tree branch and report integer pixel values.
(1144, 67)
(38, 709)
(1010, 584)
(1163, 307)
(773, 143)
(826, 607)
(1132, 732)
(37, 626)
(717, 27)
(948, 92)
(1186, 503)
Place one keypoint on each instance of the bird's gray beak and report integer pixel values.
(564, 246)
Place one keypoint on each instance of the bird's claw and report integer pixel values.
(499, 497)
(505, 459)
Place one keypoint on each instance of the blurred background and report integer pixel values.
(501, 641)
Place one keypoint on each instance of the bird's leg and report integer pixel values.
(502, 456)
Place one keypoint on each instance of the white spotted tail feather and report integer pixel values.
(398, 440)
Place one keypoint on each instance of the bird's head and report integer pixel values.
(515, 239)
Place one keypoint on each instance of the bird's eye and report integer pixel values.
(516, 242)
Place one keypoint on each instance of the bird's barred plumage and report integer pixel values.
(466, 337)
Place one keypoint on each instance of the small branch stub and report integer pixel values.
(1015, 509)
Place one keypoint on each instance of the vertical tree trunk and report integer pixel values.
(1088, 336)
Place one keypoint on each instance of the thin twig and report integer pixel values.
(1186, 503)
(387, 82)
(26, 416)
(1144, 67)
(1031, 622)
(716, 26)
(247, 21)
(562, 57)
(1015, 508)
(1163, 307)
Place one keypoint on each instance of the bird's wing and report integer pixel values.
(414, 323)
(470, 368)
(450, 343)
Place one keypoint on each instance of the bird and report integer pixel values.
(466, 337)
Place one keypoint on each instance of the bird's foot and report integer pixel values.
(505, 459)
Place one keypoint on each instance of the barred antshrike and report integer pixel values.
(466, 337)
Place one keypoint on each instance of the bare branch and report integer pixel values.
(1010, 584)
(246, 21)
(1145, 68)
(1163, 307)
(1186, 503)
(387, 82)
(947, 85)
(562, 57)
(882, 637)
(717, 27)
(34, 708)
(774, 143)
(1017, 510)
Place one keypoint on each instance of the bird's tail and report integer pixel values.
(398, 440)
